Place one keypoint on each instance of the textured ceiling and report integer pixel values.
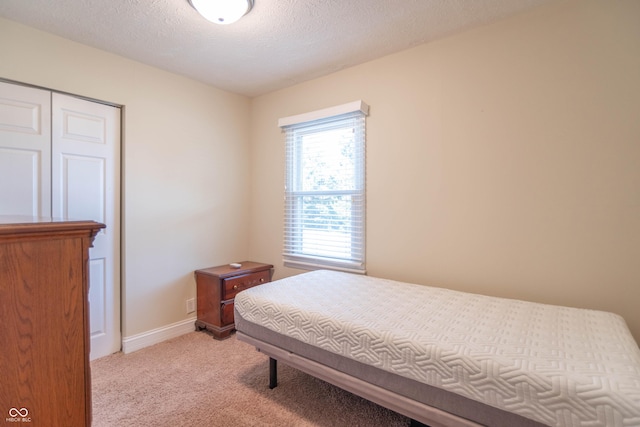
(279, 43)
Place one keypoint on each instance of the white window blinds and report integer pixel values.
(325, 189)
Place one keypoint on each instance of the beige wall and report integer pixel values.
(185, 200)
(503, 161)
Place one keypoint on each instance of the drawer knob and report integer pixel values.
(235, 286)
(262, 280)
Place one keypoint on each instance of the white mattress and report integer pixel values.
(556, 365)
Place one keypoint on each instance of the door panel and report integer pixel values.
(25, 151)
(82, 190)
(20, 182)
(86, 183)
(98, 292)
(83, 127)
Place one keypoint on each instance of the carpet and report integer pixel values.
(194, 380)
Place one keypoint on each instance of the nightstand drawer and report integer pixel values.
(234, 285)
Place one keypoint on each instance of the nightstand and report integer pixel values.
(216, 290)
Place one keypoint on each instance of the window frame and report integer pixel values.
(295, 128)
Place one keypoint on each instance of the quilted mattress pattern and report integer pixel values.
(557, 365)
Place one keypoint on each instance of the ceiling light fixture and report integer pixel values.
(222, 11)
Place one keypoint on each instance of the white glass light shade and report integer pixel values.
(222, 11)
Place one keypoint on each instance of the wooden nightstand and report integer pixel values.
(216, 290)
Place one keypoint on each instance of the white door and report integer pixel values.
(85, 185)
(59, 157)
(25, 151)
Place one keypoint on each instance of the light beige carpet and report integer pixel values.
(194, 380)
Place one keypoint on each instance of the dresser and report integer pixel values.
(216, 289)
(44, 333)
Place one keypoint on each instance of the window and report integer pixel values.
(325, 189)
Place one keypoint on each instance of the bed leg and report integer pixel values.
(273, 373)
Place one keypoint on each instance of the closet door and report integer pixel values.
(85, 185)
(64, 162)
(25, 151)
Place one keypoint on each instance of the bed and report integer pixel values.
(448, 358)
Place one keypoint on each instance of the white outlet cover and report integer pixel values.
(191, 305)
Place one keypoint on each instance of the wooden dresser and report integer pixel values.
(44, 329)
(217, 288)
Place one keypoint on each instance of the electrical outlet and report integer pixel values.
(191, 305)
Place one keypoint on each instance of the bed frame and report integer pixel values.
(419, 413)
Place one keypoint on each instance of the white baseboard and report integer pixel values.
(155, 336)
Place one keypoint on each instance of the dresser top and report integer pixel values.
(14, 225)
(226, 270)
